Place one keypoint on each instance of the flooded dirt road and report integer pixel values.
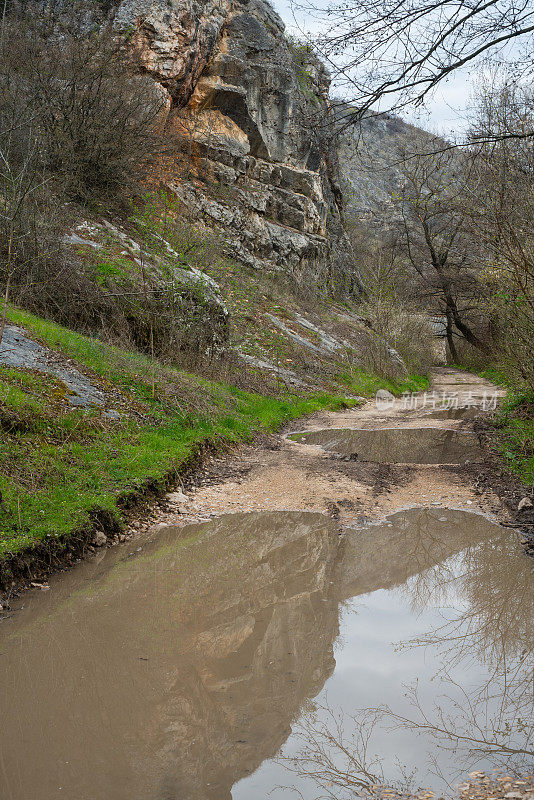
(414, 468)
(180, 670)
(396, 446)
(240, 657)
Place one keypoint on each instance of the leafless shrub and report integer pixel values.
(398, 342)
(75, 122)
(399, 339)
(96, 121)
(501, 204)
(176, 312)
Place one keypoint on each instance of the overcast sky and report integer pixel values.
(444, 114)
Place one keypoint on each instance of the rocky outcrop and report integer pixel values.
(371, 155)
(175, 39)
(241, 104)
(156, 298)
(18, 350)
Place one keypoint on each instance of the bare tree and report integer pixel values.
(501, 215)
(438, 245)
(392, 53)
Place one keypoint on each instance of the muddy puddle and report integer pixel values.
(453, 413)
(397, 445)
(201, 664)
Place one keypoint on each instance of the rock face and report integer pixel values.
(242, 99)
(370, 155)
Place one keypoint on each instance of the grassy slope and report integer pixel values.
(514, 425)
(58, 465)
(250, 295)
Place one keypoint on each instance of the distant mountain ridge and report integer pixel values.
(370, 156)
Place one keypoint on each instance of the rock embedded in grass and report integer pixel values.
(99, 539)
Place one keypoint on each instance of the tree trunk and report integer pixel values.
(452, 309)
(466, 331)
(450, 338)
(4, 311)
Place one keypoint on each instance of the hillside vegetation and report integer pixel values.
(202, 260)
(65, 472)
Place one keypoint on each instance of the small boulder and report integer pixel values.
(160, 526)
(526, 502)
(177, 498)
(99, 539)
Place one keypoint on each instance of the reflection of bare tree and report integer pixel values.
(335, 754)
(336, 760)
(408, 547)
(495, 718)
(486, 607)
(492, 580)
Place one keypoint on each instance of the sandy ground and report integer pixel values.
(287, 475)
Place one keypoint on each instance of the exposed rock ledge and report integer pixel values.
(237, 102)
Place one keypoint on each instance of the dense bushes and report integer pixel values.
(80, 110)
(80, 125)
(76, 123)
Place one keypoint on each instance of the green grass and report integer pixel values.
(514, 426)
(367, 384)
(515, 441)
(105, 269)
(58, 465)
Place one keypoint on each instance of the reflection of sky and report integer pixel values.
(445, 112)
(372, 671)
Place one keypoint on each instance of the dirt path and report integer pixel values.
(290, 475)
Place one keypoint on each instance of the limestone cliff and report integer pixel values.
(239, 102)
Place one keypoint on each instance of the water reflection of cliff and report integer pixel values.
(175, 672)
(409, 543)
